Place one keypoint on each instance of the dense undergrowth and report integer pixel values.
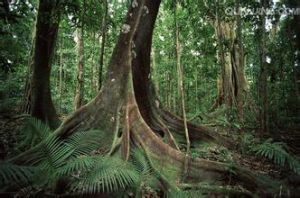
(77, 166)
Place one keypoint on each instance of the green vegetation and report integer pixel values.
(275, 151)
(149, 98)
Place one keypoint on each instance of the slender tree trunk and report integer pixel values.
(61, 74)
(94, 71)
(181, 90)
(26, 103)
(103, 41)
(169, 91)
(46, 34)
(239, 61)
(154, 70)
(263, 75)
(295, 38)
(196, 91)
(79, 95)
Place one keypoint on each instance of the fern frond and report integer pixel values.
(276, 152)
(17, 174)
(107, 175)
(34, 132)
(73, 166)
(141, 163)
(294, 164)
(85, 142)
(54, 153)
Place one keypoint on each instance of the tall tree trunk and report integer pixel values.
(94, 69)
(226, 89)
(61, 74)
(295, 38)
(103, 41)
(239, 61)
(232, 85)
(169, 91)
(46, 34)
(79, 95)
(26, 103)
(263, 75)
(181, 90)
(196, 91)
(154, 69)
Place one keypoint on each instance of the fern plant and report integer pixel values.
(149, 178)
(276, 152)
(13, 173)
(73, 158)
(32, 133)
(105, 174)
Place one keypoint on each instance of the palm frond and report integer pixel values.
(83, 143)
(52, 153)
(141, 163)
(77, 165)
(34, 132)
(56, 159)
(276, 152)
(107, 175)
(17, 174)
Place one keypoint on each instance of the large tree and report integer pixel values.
(39, 93)
(232, 84)
(127, 110)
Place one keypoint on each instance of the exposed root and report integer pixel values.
(196, 132)
(170, 138)
(158, 118)
(227, 190)
(125, 148)
(172, 160)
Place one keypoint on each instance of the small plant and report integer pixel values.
(276, 152)
(247, 141)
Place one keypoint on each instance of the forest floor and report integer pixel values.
(9, 128)
(12, 123)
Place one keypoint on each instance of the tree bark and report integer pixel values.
(232, 85)
(46, 34)
(239, 60)
(79, 94)
(94, 69)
